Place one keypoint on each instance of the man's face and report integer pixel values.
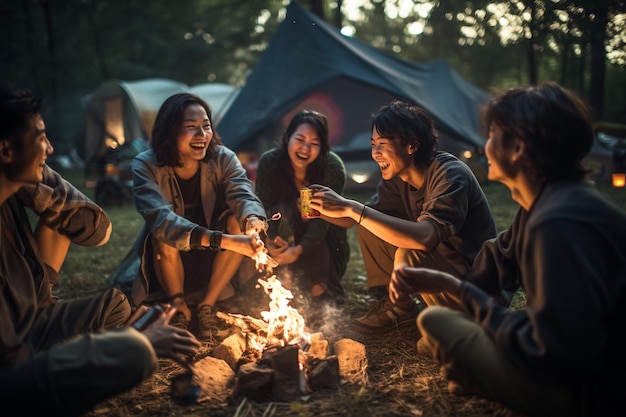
(498, 157)
(28, 162)
(392, 158)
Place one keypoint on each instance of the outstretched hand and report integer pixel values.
(330, 203)
(256, 225)
(407, 280)
(280, 250)
(172, 342)
(248, 245)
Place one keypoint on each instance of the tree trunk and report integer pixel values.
(597, 40)
(104, 72)
(52, 57)
(532, 54)
(30, 36)
(338, 15)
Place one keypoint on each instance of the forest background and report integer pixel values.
(64, 49)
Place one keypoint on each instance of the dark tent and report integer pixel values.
(118, 112)
(310, 64)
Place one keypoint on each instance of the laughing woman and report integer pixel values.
(193, 194)
(310, 251)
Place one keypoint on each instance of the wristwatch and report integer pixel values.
(215, 240)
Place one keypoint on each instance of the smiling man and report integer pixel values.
(59, 357)
(429, 210)
(565, 245)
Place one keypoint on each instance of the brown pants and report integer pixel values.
(77, 363)
(380, 259)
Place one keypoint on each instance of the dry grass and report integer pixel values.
(400, 382)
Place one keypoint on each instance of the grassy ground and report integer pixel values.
(400, 382)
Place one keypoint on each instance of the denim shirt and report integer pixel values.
(157, 196)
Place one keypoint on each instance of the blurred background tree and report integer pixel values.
(65, 49)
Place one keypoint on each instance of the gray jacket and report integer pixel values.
(157, 196)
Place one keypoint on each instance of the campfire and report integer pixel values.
(282, 325)
(275, 357)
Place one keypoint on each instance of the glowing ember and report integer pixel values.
(285, 324)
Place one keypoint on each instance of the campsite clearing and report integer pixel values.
(401, 382)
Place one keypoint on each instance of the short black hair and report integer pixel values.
(555, 124)
(411, 125)
(16, 108)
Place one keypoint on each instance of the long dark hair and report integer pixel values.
(315, 170)
(411, 125)
(167, 125)
(553, 122)
(283, 172)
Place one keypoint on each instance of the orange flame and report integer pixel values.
(262, 260)
(285, 324)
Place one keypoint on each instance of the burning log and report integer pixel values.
(281, 325)
(255, 329)
(275, 359)
(247, 324)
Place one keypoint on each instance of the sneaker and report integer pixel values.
(210, 327)
(179, 320)
(384, 316)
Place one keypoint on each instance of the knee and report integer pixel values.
(232, 226)
(164, 253)
(119, 308)
(137, 357)
(410, 257)
(431, 318)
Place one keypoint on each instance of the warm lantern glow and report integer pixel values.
(619, 179)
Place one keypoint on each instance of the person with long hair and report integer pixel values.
(194, 195)
(312, 253)
(562, 354)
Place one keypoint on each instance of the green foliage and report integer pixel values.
(66, 49)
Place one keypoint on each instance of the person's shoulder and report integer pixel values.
(451, 164)
(570, 193)
(222, 154)
(444, 157)
(223, 149)
(333, 158)
(269, 155)
(575, 200)
(147, 155)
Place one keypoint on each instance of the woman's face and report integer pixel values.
(304, 146)
(194, 135)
